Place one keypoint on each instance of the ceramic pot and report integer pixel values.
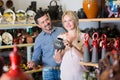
(1, 3)
(90, 8)
(15, 73)
(9, 3)
(81, 13)
(29, 39)
(58, 43)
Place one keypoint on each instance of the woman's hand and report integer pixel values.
(58, 56)
(67, 43)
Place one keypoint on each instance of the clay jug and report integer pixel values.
(53, 10)
(91, 8)
(15, 73)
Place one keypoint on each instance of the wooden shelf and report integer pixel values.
(89, 64)
(15, 25)
(19, 45)
(33, 71)
(99, 19)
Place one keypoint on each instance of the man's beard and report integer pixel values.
(48, 27)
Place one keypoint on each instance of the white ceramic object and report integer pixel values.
(0, 40)
(21, 16)
(30, 16)
(9, 16)
(1, 17)
(7, 38)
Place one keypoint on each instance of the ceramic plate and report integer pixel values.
(9, 16)
(30, 16)
(0, 38)
(0, 17)
(21, 16)
(7, 38)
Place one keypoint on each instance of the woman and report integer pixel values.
(72, 54)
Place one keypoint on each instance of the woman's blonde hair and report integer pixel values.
(73, 15)
(75, 18)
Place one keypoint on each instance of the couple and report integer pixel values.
(68, 59)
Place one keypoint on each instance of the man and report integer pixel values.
(44, 46)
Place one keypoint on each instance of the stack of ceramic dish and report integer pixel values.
(8, 16)
(20, 16)
(7, 38)
(30, 16)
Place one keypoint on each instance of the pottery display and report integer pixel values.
(9, 16)
(15, 73)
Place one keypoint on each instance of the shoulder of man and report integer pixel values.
(60, 28)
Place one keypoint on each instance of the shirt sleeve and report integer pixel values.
(37, 53)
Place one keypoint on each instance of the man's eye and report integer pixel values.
(47, 19)
(42, 22)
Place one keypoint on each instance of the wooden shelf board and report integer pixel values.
(99, 19)
(89, 64)
(16, 25)
(33, 71)
(19, 45)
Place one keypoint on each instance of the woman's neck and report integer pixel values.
(72, 32)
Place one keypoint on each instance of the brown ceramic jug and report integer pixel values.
(90, 8)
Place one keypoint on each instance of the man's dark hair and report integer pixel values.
(38, 15)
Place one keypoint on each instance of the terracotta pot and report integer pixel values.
(1, 3)
(29, 39)
(90, 8)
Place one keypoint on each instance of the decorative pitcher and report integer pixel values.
(15, 73)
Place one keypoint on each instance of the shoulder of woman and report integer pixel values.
(81, 35)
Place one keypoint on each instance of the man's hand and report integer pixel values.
(31, 64)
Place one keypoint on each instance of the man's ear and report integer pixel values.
(39, 26)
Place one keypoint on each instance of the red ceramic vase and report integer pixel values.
(15, 73)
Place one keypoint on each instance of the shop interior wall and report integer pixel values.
(74, 5)
(66, 4)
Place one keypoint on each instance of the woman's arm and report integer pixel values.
(58, 55)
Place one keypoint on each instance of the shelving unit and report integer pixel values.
(19, 45)
(19, 26)
(89, 64)
(33, 71)
(99, 20)
(9, 26)
(29, 46)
